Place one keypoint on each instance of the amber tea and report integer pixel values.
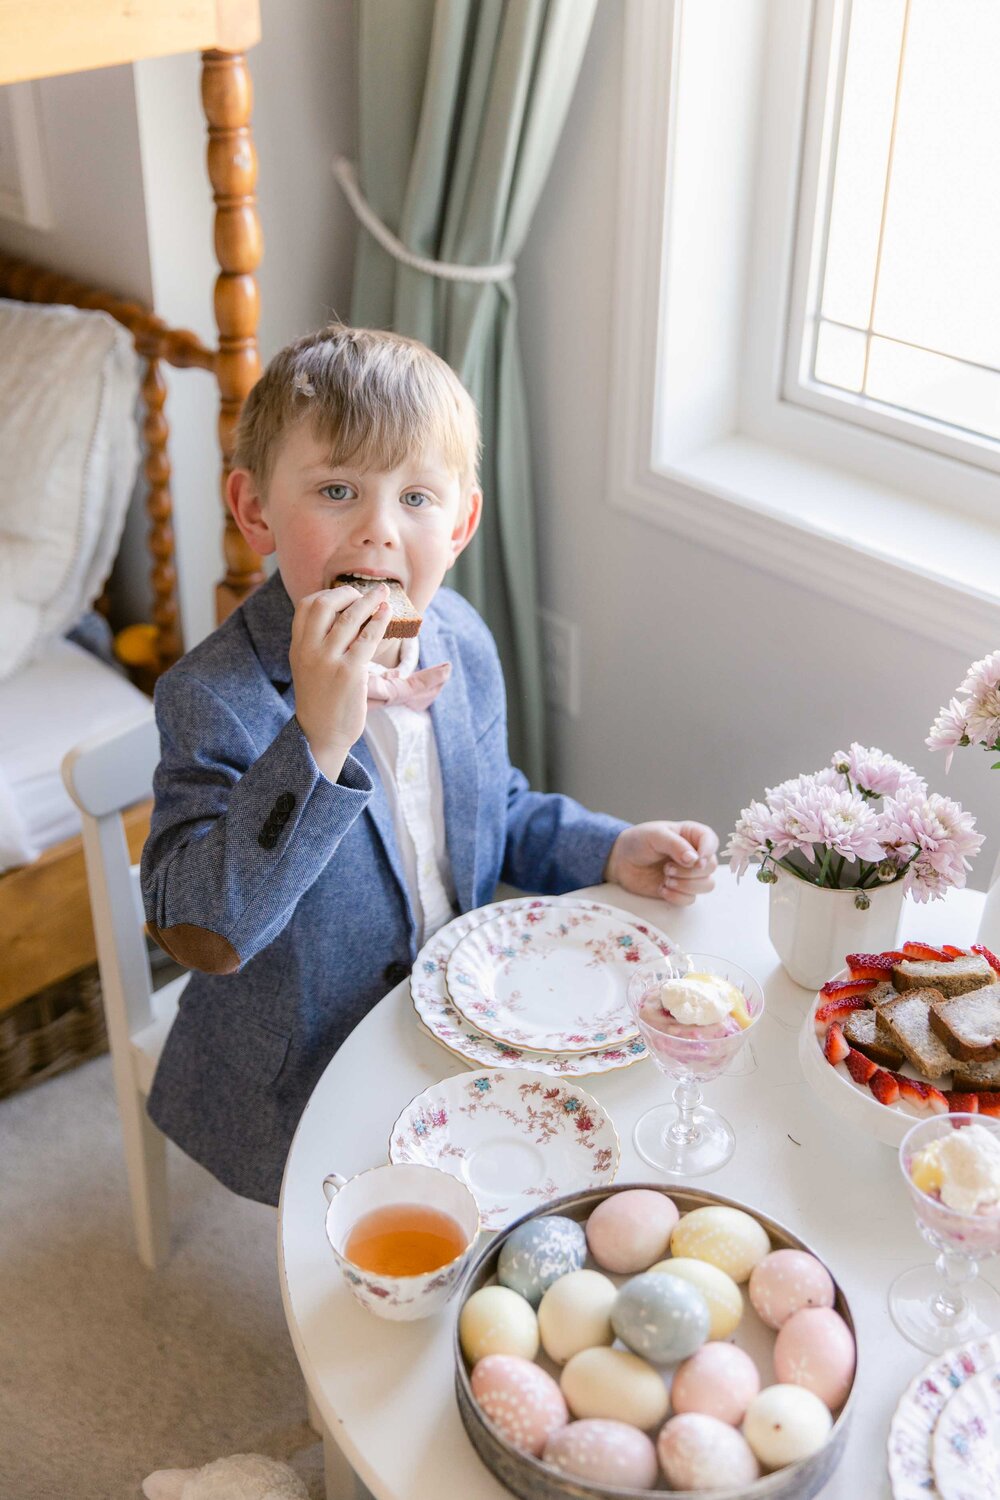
(404, 1239)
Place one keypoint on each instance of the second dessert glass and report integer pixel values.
(686, 1138)
(939, 1305)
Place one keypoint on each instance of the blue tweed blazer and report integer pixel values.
(289, 889)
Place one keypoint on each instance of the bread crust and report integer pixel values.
(956, 977)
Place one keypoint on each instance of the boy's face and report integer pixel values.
(321, 520)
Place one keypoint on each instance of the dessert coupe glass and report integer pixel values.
(686, 1138)
(939, 1305)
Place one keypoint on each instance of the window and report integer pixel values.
(900, 218)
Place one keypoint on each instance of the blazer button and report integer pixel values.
(395, 973)
(284, 803)
(272, 827)
(267, 840)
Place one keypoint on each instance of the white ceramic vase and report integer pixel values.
(989, 922)
(814, 928)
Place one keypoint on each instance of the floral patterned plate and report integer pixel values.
(552, 979)
(965, 1448)
(448, 1026)
(516, 1139)
(912, 1428)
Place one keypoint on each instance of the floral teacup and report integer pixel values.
(399, 1297)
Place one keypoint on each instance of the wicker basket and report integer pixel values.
(51, 1031)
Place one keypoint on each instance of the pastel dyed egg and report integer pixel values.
(725, 1237)
(615, 1384)
(496, 1320)
(539, 1252)
(786, 1423)
(724, 1298)
(629, 1230)
(660, 1317)
(575, 1314)
(701, 1453)
(523, 1402)
(786, 1281)
(718, 1380)
(815, 1349)
(604, 1453)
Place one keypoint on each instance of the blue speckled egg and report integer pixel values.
(661, 1318)
(538, 1253)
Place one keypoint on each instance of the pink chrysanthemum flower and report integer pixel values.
(874, 773)
(936, 835)
(949, 730)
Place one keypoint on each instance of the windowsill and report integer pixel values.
(887, 554)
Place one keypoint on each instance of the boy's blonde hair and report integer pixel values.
(375, 397)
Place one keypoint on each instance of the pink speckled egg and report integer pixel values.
(629, 1230)
(603, 1453)
(520, 1399)
(815, 1349)
(702, 1453)
(785, 1281)
(718, 1380)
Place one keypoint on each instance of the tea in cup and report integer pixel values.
(402, 1236)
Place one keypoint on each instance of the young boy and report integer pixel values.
(323, 805)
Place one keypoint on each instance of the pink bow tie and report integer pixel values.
(416, 691)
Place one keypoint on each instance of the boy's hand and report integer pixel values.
(670, 861)
(335, 634)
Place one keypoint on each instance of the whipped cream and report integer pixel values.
(963, 1167)
(698, 999)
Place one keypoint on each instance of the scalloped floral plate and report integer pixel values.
(516, 1139)
(448, 1026)
(911, 1431)
(965, 1448)
(551, 979)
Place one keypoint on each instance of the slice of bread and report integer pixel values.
(861, 1030)
(976, 1075)
(959, 976)
(882, 994)
(404, 619)
(969, 1024)
(905, 1021)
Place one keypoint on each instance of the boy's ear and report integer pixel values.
(244, 500)
(467, 526)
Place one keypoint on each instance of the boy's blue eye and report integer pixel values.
(415, 498)
(336, 491)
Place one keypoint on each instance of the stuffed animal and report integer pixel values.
(245, 1476)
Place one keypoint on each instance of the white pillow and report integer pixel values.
(69, 383)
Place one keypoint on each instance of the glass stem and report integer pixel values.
(684, 1132)
(949, 1304)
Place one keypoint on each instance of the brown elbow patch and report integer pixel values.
(196, 947)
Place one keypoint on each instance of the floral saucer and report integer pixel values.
(911, 1432)
(965, 1449)
(516, 1139)
(550, 978)
(450, 1028)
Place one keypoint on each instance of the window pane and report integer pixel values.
(840, 356)
(935, 385)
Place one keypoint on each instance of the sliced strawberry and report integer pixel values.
(840, 989)
(989, 1104)
(884, 1086)
(952, 951)
(861, 1068)
(836, 1048)
(838, 1010)
(914, 1091)
(927, 953)
(963, 1104)
(990, 958)
(937, 1102)
(872, 965)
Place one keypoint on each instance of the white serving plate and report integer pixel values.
(920, 1407)
(517, 1139)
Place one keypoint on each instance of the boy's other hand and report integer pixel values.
(335, 634)
(672, 862)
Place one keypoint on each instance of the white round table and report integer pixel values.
(385, 1391)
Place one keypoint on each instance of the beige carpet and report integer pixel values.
(108, 1371)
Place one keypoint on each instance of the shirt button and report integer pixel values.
(396, 972)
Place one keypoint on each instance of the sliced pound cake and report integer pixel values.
(957, 977)
(905, 1022)
(976, 1075)
(861, 1030)
(969, 1024)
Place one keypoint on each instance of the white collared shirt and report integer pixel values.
(404, 750)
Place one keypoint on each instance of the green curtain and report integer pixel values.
(460, 107)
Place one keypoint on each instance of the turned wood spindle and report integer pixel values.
(159, 508)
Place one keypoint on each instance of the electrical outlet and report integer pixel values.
(560, 662)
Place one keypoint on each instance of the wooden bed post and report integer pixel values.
(227, 99)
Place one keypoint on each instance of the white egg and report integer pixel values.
(496, 1320)
(614, 1384)
(575, 1314)
(725, 1237)
(786, 1423)
(723, 1296)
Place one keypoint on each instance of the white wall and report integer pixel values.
(704, 680)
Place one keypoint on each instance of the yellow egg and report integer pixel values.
(496, 1320)
(725, 1237)
(725, 1301)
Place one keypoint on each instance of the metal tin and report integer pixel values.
(533, 1480)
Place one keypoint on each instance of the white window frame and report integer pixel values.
(702, 438)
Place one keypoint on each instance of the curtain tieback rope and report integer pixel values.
(343, 171)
